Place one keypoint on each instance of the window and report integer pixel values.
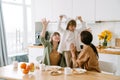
(17, 19)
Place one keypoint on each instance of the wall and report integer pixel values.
(112, 26)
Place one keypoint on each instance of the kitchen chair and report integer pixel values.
(107, 67)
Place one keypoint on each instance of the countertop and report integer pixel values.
(32, 46)
(109, 51)
(101, 50)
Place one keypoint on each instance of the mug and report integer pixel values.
(15, 64)
(67, 70)
(42, 67)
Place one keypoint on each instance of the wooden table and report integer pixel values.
(9, 73)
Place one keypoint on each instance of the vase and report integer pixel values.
(105, 43)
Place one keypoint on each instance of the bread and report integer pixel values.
(54, 73)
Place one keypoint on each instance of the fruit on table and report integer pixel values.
(23, 66)
(27, 67)
(25, 71)
(32, 67)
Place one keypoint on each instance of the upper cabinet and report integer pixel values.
(41, 9)
(84, 8)
(61, 7)
(107, 10)
(90, 10)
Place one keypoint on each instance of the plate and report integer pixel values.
(53, 67)
(78, 71)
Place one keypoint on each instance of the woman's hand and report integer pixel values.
(45, 22)
(73, 50)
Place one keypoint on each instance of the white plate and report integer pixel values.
(52, 67)
(79, 71)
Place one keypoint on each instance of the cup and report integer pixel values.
(42, 67)
(15, 64)
(67, 70)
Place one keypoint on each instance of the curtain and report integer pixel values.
(3, 47)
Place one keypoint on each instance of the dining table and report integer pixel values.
(10, 73)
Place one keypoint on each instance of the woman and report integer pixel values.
(51, 56)
(88, 58)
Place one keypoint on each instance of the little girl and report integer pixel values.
(70, 35)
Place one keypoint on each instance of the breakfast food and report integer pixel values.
(23, 66)
(54, 73)
(32, 67)
(78, 71)
(27, 67)
(25, 71)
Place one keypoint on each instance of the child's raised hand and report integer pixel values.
(61, 17)
(79, 18)
(45, 22)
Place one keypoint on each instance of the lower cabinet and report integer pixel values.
(111, 58)
(34, 53)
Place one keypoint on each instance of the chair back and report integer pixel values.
(107, 67)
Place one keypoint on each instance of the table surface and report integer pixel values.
(9, 73)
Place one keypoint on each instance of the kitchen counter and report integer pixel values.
(101, 50)
(109, 51)
(32, 46)
(35, 52)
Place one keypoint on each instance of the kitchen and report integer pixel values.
(99, 15)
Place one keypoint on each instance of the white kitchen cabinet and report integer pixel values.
(107, 10)
(41, 9)
(34, 52)
(61, 7)
(111, 58)
(84, 8)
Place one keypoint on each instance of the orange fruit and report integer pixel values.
(32, 68)
(25, 71)
(23, 66)
(28, 67)
(31, 64)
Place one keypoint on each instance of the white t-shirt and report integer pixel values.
(70, 37)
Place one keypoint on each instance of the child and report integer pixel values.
(70, 35)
